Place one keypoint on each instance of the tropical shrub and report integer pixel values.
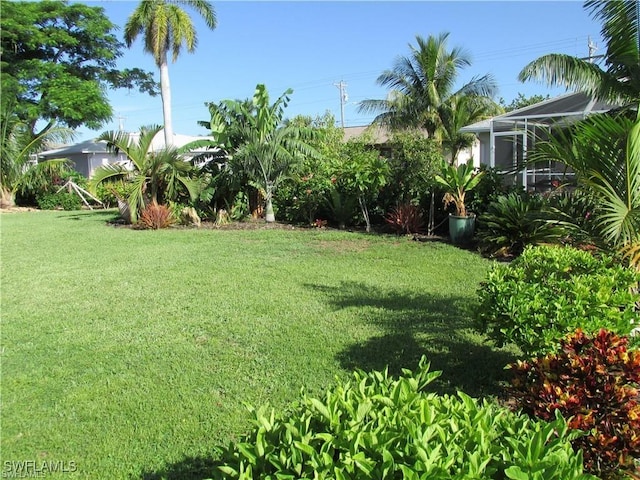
(412, 168)
(359, 172)
(109, 192)
(549, 292)
(490, 187)
(375, 426)
(41, 179)
(514, 221)
(156, 216)
(405, 219)
(576, 209)
(62, 200)
(593, 381)
(342, 207)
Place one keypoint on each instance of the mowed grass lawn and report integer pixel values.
(131, 353)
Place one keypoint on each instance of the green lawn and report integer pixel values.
(130, 353)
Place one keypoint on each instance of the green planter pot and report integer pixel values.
(461, 228)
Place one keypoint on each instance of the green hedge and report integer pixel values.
(549, 292)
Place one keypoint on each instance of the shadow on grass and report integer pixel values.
(439, 327)
(102, 213)
(191, 468)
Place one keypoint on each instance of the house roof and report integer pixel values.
(88, 146)
(380, 134)
(567, 107)
(92, 146)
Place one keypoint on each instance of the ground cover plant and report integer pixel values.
(131, 352)
(375, 426)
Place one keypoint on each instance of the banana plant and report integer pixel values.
(266, 148)
(458, 181)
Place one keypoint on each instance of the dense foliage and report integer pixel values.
(549, 292)
(514, 221)
(593, 381)
(375, 426)
(58, 61)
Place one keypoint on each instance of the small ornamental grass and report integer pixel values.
(549, 292)
(156, 216)
(592, 381)
(405, 219)
(375, 426)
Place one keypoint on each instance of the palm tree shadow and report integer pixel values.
(438, 327)
(190, 468)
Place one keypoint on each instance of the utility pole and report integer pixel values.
(121, 120)
(343, 99)
(592, 49)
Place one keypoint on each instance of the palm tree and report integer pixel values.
(156, 175)
(423, 83)
(619, 81)
(260, 142)
(17, 145)
(459, 111)
(166, 28)
(604, 150)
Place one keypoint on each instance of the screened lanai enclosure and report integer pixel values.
(506, 139)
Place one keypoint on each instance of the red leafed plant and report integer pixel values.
(405, 218)
(156, 216)
(593, 382)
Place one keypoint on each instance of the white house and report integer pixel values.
(86, 156)
(504, 140)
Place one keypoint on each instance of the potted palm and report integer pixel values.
(458, 181)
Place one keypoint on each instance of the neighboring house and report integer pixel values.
(506, 139)
(86, 156)
(380, 137)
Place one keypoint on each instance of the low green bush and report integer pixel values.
(109, 192)
(61, 200)
(549, 292)
(514, 221)
(592, 381)
(376, 427)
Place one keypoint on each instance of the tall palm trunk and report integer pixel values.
(269, 214)
(165, 92)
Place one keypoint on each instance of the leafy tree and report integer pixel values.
(359, 172)
(522, 101)
(57, 62)
(422, 86)
(413, 165)
(302, 197)
(261, 143)
(166, 28)
(156, 177)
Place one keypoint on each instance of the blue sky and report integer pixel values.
(311, 46)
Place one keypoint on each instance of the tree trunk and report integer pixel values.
(365, 212)
(7, 199)
(270, 217)
(165, 91)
